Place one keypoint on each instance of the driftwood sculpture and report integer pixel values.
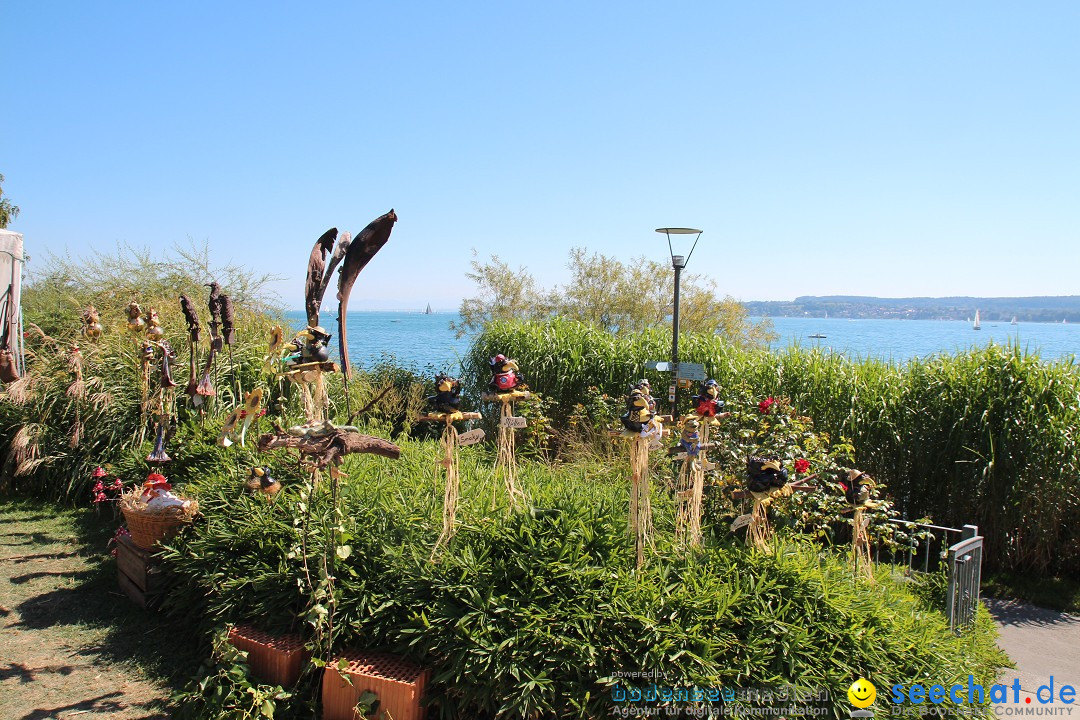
(313, 287)
(329, 445)
(357, 256)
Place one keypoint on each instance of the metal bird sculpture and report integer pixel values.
(313, 286)
(359, 253)
(214, 304)
(192, 318)
(228, 330)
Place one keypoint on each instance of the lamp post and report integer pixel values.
(678, 262)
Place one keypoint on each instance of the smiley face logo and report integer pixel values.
(862, 693)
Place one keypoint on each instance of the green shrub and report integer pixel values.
(530, 614)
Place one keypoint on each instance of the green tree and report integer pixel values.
(607, 293)
(8, 212)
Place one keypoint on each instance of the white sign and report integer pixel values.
(514, 422)
(472, 437)
(691, 371)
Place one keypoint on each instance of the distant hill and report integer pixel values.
(999, 309)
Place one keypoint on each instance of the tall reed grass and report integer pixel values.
(986, 437)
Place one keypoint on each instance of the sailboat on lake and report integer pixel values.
(976, 325)
(428, 311)
(1014, 321)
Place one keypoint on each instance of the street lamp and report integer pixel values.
(678, 262)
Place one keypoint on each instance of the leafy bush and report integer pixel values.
(530, 614)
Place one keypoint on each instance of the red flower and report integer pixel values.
(99, 472)
(98, 487)
(100, 497)
(118, 484)
(764, 405)
(802, 465)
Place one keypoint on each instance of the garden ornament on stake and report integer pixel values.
(766, 481)
(643, 430)
(857, 491)
(91, 328)
(194, 332)
(445, 407)
(506, 388)
(690, 491)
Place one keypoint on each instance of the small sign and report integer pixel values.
(691, 371)
(654, 444)
(661, 365)
(514, 422)
(472, 437)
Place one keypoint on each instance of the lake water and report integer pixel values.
(426, 341)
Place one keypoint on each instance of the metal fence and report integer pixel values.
(965, 575)
(924, 547)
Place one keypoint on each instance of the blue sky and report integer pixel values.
(888, 149)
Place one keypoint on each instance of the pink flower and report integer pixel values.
(98, 487)
(764, 405)
(802, 465)
(100, 497)
(118, 484)
(99, 472)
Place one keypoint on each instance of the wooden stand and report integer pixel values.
(275, 659)
(506, 459)
(398, 684)
(452, 489)
(139, 575)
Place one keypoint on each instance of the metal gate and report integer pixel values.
(965, 574)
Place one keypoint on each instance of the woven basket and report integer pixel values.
(148, 527)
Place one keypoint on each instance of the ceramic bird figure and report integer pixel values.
(447, 397)
(135, 323)
(274, 345)
(91, 329)
(192, 318)
(765, 473)
(153, 325)
(706, 404)
(359, 254)
(637, 413)
(857, 488)
(313, 285)
(315, 348)
(646, 389)
(259, 480)
(505, 375)
(688, 440)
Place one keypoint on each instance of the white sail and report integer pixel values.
(976, 325)
(1014, 321)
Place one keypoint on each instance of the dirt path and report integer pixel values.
(71, 645)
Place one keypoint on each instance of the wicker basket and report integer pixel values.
(148, 527)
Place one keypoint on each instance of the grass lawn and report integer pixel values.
(72, 645)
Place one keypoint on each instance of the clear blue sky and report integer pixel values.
(904, 148)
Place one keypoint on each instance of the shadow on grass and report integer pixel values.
(161, 648)
(101, 705)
